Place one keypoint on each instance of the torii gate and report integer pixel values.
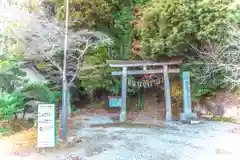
(164, 67)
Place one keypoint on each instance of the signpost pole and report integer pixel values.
(65, 104)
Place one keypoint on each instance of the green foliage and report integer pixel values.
(98, 77)
(213, 16)
(224, 119)
(119, 28)
(85, 13)
(169, 25)
(112, 17)
(14, 101)
(122, 19)
(140, 2)
(10, 103)
(202, 87)
(5, 64)
(123, 32)
(96, 57)
(199, 90)
(122, 28)
(166, 24)
(40, 92)
(12, 78)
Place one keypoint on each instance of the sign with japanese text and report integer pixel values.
(115, 102)
(46, 125)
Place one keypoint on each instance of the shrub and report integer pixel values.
(10, 103)
(39, 92)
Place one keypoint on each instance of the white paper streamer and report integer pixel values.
(145, 83)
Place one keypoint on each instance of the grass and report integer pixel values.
(4, 131)
(9, 127)
(224, 119)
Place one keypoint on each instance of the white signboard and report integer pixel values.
(46, 125)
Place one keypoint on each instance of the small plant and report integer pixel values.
(224, 119)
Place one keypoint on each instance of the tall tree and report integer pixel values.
(43, 38)
(170, 25)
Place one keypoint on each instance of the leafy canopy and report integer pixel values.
(170, 25)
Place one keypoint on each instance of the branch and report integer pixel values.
(92, 67)
(41, 34)
(43, 37)
(223, 57)
(80, 58)
(54, 63)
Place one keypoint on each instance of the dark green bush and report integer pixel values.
(10, 103)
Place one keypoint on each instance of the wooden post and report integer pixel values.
(123, 113)
(168, 105)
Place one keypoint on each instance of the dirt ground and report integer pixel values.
(94, 134)
(171, 141)
(152, 112)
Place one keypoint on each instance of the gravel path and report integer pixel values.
(176, 141)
